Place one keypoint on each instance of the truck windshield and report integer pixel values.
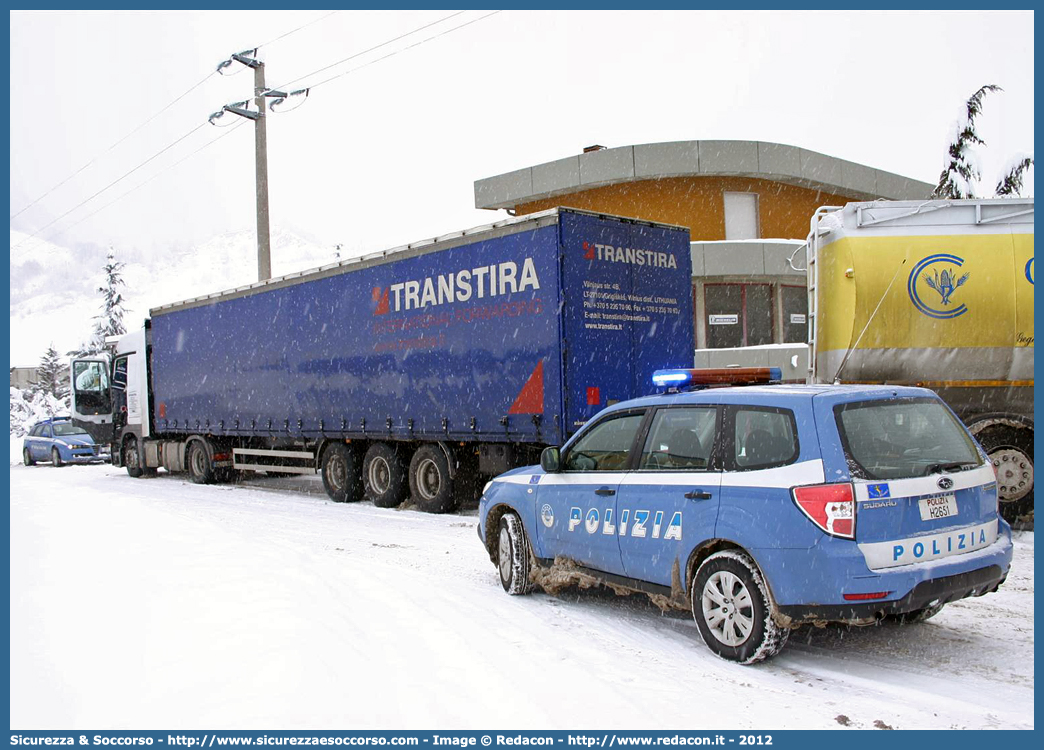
(903, 438)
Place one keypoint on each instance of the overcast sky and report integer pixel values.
(389, 153)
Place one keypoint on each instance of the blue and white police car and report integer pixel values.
(761, 507)
(61, 442)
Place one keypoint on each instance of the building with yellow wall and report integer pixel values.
(748, 206)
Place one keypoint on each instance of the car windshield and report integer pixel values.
(68, 428)
(903, 438)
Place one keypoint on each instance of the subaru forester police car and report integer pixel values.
(760, 507)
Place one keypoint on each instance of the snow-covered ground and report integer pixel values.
(155, 603)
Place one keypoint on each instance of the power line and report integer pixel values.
(404, 49)
(160, 112)
(146, 182)
(284, 36)
(371, 49)
(117, 143)
(114, 182)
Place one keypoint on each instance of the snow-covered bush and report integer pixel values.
(29, 407)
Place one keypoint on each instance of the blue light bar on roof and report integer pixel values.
(696, 377)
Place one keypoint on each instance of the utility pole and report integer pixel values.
(264, 245)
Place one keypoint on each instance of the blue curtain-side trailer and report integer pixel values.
(411, 372)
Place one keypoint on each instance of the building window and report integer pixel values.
(738, 315)
(795, 314)
(741, 216)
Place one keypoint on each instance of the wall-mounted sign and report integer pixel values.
(724, 320)
(797, 319)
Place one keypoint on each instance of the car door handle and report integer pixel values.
(698, 495)
(605, 492)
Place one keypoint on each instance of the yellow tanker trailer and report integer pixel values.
(937, 294)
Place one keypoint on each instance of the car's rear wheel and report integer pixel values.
(919, 615)
(732, 609)
(513, 555)
(56, 458)
(27, 457)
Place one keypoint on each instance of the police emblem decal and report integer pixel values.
(926, 282)
(547, 516)
(875, 491)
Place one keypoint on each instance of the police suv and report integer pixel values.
(761, 507)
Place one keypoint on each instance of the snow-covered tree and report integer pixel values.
(962, 171)
(1011, 183)
(111, 319)
(52, 374)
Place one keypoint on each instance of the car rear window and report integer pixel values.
(903, 438)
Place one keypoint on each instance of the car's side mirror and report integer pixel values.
(550, 460)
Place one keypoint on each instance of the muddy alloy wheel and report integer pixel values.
(56, 458)
(732, 609)
(513, 556)
(27, 458)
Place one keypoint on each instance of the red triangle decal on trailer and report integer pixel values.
(531, 398)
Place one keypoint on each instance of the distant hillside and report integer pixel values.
(53, 288)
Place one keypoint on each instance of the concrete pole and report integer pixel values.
(264, 247)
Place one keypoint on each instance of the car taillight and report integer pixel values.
(831, 507)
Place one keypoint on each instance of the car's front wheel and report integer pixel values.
(27, 457)
(732, 609)
(513, 555)
(56, 458)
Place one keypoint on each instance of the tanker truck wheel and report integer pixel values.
(430, 483)
(341, 474)
(384, 476)
(1011, 451)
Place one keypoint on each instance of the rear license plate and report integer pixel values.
(938, 506)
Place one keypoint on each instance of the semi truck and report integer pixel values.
(411, 372)
(939, 294)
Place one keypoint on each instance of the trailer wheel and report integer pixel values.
(340, 474)
(430, 483)
(384, 476)
(1011, 451)
(197, 460)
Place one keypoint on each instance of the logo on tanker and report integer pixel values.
(494, 280)
(634, 256)
(933, 284)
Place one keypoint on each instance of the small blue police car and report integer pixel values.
(61, 442)
(761, 507)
